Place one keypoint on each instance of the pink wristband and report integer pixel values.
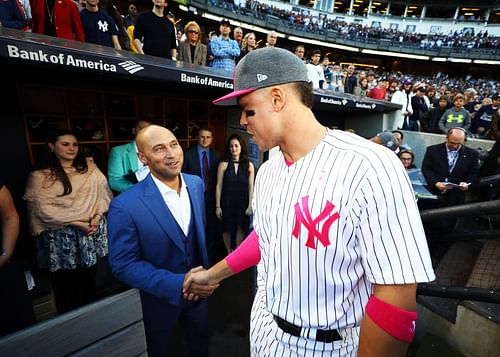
(397, 322)
(246, 255)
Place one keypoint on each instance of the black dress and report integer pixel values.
(234, 199)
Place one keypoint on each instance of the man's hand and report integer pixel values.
(198, 284)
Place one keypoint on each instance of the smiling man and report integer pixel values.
(337, 233)
(156, 233)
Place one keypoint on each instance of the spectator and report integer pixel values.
(129, 20)
(457, 116)
(212, 35)
(490, 166)
(15, 301)
(430, 120)
(248, 44)
(224, 50)
(450, 163)
(272, 38)
(481, 123)
(300, 52)
(351, 80)
(124, 167)
(361, 90)
(99, 27)
(67, 198)
(192, 50)
(315, 70)
(407, 158)
(58, 18)
(110, 9)
(156, 31)
(12, 15)
(380, 90)
(233, 193)
(419, 108)
(238, 35)
(203, 161)
(387, 139)
(403, 98)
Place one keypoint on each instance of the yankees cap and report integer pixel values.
(262, 68)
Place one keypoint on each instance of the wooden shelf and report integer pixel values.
(102, 119)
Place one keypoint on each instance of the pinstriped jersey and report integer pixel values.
(330, 225)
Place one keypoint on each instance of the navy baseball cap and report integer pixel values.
(263, 68)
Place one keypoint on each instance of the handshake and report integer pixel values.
(198, 284)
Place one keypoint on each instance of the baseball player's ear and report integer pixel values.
(278, 97)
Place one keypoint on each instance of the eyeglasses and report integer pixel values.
(405, 158)
(193, 31)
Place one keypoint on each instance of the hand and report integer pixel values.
(463, 186)
(198, 284)
(218, 212)
(441, 186)
(249, 211)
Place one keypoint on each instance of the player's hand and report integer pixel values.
(218, 212)
(198, 284)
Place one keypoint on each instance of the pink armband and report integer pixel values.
(397, 322)
(246, 255)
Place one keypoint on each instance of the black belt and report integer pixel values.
(321, 335)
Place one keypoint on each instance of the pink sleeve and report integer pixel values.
(246, 255)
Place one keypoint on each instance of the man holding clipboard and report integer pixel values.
(451, 168)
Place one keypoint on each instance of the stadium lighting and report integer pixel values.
(439, 59)
(325, 44)
(395, 54)
(478, 61)
(459, 60)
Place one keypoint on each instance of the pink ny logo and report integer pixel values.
(304, 217)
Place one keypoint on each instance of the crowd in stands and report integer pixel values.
(156, 32)
(355, 31)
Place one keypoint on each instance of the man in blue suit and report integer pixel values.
(123, 163)
(156, 233)
(193, 164)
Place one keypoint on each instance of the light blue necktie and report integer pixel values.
(452, 159)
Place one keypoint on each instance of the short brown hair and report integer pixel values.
(305, 92)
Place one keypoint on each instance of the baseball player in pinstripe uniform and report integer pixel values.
(337, 234)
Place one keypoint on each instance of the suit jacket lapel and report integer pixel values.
(159, 210)
(197, 214)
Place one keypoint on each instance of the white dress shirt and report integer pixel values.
(178, 203)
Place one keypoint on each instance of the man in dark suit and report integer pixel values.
(194, 164)
(156, 234)
(450, 163)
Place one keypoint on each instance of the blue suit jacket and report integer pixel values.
(146, 250)
(122, 158)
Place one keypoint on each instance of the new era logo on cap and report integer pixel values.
(261, 77)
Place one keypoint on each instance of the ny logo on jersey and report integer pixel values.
(103, 26)
(303, 216)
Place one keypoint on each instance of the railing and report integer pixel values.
(272, 22)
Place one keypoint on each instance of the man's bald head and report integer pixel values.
(160, 150)
(147, 134)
